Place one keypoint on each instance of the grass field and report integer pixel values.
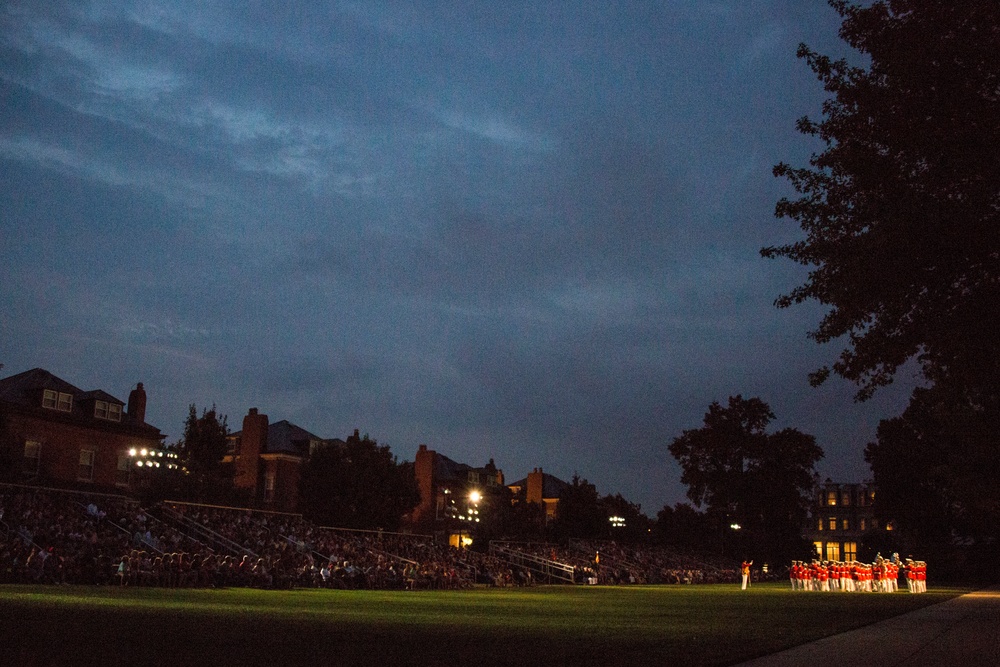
(675, 625)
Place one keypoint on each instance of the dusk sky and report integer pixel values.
(526, 231)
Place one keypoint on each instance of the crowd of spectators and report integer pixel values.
(61, 537)
(57, 537)
(611, 563)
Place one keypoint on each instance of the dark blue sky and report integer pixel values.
(523, 231)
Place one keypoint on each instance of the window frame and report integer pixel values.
(57, 400)
(37, 466)
(107, 410)
(84, 451)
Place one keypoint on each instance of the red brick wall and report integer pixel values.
(286, 484)
(61, 445)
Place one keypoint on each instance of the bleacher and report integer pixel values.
(61, 537)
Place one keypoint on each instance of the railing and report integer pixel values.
(549, 570)
(204, 534)
(613, 557)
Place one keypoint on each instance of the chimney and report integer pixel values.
(253, 441)
(536, 486)
(137, 404)
(423, 471)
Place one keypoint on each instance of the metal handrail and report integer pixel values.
(550, 569)
(209, 535)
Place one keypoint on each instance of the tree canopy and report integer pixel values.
(901, 214)
(201, 451)
(901, 210)
(359, 484)
(938, 478)
(749, 478)
(579, 513)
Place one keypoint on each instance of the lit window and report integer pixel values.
(832, 551)
(832, 523)
(831, 497)
(850, 550)
(57, 400)
(86, 472)
(32, 457)
(819, 525)
(845, 524)
(864, 525)
(818, 549)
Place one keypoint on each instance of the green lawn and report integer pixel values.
(676, 625)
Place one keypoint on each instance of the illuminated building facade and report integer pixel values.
(450, 491)
(55, 434)
(841, 515)
(542, 488)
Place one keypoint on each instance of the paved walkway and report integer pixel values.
(963, 631)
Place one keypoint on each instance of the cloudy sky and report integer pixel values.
(525, 231)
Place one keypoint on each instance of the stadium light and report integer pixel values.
(475, 496)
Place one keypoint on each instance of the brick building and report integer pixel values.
(542, 488)
(56, 434)
(267, 459)
(842, 514)
(448, 489)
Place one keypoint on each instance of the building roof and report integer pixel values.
(285, 437)
(23, 392)
(552, 486)
(18, 388)
(449, 470)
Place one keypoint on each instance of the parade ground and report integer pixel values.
(565, 625)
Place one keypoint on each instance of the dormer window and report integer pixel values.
(107, 410)
(57, 400)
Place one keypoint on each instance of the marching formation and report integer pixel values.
(882, 576)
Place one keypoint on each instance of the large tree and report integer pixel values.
(901, 214)
(683, 526)
(579, 513)
(901, 210)
(749, 478)
(938, 477)
(201, 451)
(358, 484)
